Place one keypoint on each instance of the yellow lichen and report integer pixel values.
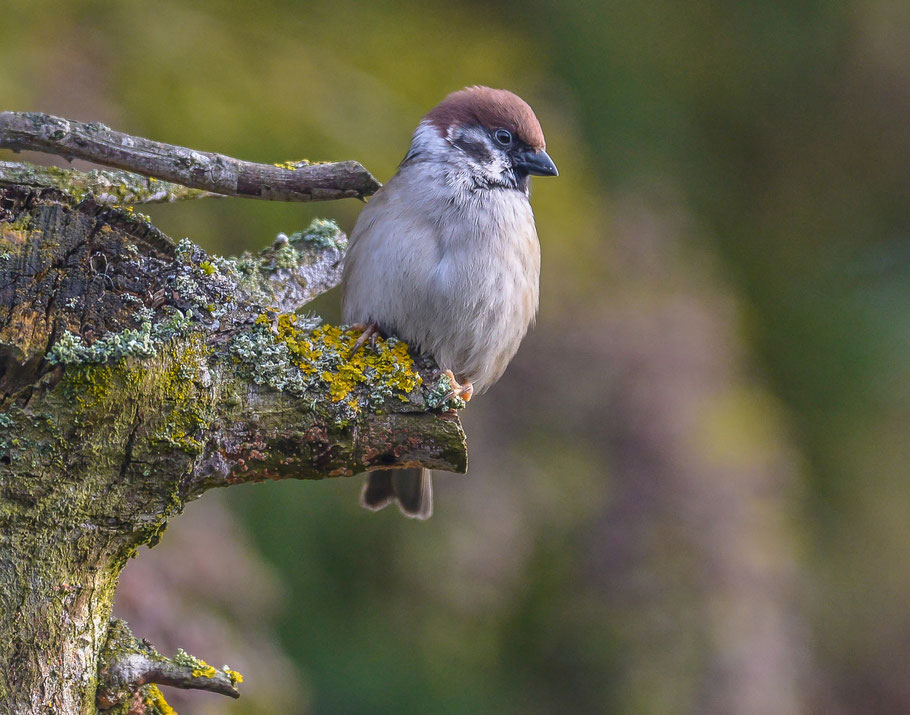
(386, 363)
(304, 347)
(204, 671)
(201, 669)
(291, 165)
(236, 678)
(154, 699)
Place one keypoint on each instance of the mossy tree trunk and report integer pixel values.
(134, 375)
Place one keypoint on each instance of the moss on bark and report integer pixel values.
(134, 375)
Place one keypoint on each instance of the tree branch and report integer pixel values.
(127, 663)
(134, 375)
(242, 379)
(207, 171)
(107, 187)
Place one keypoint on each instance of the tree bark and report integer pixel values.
(134, 375)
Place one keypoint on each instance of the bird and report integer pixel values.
(445, 255)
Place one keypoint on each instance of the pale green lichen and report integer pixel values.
(186, 250)
(71, 349)
(438, 398)
(200, 290)
(267, 360)
(212, 285)
(321, 233)
(286, 257)
(10, 434)
(251, 272)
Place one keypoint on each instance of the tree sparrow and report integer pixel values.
(445, 256)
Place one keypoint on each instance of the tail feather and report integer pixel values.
(377, 491)
(411, 488)
(414, 490)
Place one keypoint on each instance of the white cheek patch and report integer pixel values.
(427, 139)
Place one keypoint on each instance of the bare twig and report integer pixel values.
(298, 181)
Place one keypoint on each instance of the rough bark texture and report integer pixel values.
(107, 186)
(134, 375)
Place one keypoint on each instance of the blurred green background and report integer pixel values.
(690, 491)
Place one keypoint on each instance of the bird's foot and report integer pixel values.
(463, 390)
(370, 332)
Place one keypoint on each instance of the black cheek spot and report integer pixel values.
(476, 150)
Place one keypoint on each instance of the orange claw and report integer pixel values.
(463, 390)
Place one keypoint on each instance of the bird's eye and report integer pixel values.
(503, 136)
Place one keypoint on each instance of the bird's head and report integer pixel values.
(489, 136)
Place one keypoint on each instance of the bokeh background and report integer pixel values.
(690, 492)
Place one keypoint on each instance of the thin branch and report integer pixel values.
(106, 187)
(207, 171)
(128, 663)
(295, 269)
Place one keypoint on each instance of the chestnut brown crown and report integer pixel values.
(491, 108)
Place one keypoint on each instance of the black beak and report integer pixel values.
(537, 163)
